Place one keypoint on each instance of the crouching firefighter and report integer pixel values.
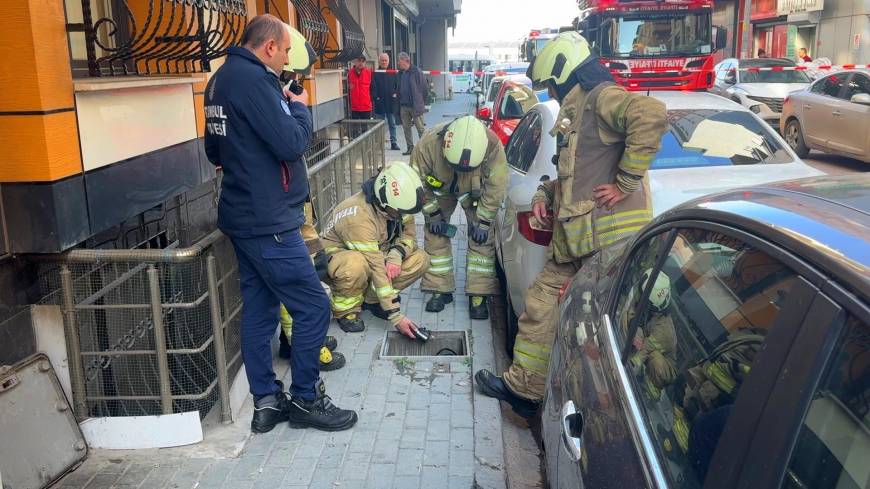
(462, 162)
(606, 138)
(371, 240)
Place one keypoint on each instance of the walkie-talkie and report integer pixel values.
(295, 87)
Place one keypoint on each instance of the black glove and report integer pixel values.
(320, 263)
(437, 225)
(479, 232)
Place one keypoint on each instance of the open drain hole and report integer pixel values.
(442, 344)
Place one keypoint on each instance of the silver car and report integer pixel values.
(713, 144)
(832, 115)
(749, 83)
(727, 347)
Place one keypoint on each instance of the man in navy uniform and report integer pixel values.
(258, 136)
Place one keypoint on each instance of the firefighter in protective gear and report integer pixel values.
(461, 162)
(371, 240)
(655, 343)
(606, 138)
(329, 358)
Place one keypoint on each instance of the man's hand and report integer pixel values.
(393, 270)
(406, 327)
(608, 195)
(539, 209)
(302, 97)
(437, 225)
(637, 342)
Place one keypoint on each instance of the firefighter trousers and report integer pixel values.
(527, 375)
(480, 277)
(350, 278)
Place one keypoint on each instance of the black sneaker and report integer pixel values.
(270, 410)
(351, 323)
(438, 301)
(395, 147)
(320, 413)
(493, 386)
(477, 307)
(376, 310)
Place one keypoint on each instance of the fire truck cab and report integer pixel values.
(654, 44)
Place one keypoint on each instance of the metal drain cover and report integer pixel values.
(443, 346)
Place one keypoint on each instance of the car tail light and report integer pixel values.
(537, 236)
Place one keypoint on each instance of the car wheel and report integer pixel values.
(795, 138)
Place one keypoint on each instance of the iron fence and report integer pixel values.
(156, 331)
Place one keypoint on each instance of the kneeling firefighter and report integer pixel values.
(606, 138)
(461, 161)
(371, 240)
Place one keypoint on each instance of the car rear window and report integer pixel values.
(702, 138)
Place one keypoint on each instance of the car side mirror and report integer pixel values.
(484, 113)
(860, 98)
(721, 38)
(731, 77)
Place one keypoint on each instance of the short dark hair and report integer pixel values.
(261, 29)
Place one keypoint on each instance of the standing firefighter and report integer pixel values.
(606, 139)
(371, 241)
(462, 162)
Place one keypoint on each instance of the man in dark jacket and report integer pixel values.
(385, 93)
(259, 137)
(412, 89)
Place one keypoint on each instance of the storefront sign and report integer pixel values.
(785, 7)
(789, 46)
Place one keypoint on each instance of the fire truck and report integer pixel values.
(654, 44)
(532, 44)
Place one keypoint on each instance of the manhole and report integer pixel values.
(443, 346)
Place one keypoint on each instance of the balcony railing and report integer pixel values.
(157, 37)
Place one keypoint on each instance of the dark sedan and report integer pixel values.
(727, 347)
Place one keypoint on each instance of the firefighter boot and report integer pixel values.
(285, 348)
(477, 307)
(351, 323)
(493, 386)
(270, 410)
(330, 360)
(438, 301)
(410, 149)
(320, 413)
(376, 309)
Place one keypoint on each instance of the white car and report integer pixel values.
(712, 145)
(753, 84)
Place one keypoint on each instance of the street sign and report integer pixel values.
(785, 7)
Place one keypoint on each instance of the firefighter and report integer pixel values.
(655, 343)
(371, 240)
(461, 162)
(606, 138)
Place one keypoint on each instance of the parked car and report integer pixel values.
(712, 144)
(491, 91)
(762, 92)
(832, 115)
(500, 69)
(746, 366)
(514, 99)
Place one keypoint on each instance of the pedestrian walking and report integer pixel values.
(359, 85)
(258, 136)
(607, 138)
(462, 162)
(371, 240)
(385, 90)
(412, 105)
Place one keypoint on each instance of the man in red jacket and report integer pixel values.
(359, 86)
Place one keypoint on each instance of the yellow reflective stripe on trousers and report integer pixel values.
(531, 356)
(341, 303)
(440, 265)
(385, 291)
(635, 161)
(482, 265)
(362, 245)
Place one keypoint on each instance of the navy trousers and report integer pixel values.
(273, 270)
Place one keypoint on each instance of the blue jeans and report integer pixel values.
(391, 124)
(273, 270)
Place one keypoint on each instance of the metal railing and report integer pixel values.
(157, 331)
(341, 174)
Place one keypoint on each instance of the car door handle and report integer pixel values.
(572, 430)
(808, 107)
(837, 113)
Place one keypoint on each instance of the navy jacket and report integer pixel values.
(258, 137)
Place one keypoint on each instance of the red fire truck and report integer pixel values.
(654, 44)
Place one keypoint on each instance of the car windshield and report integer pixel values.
(703, 137)
(773, 76)
(656, 35)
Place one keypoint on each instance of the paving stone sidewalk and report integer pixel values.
(421, 424)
